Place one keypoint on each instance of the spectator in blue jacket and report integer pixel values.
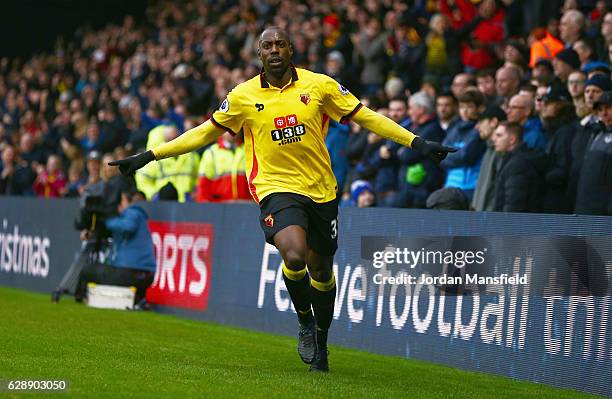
(418, 177)
(520, 110)
(132, 244)
(463, 166)
(385, 159)
(94, 140)
(131, 261)
(336, 142)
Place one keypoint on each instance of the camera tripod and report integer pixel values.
(91, 252)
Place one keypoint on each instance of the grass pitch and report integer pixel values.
(116, 354)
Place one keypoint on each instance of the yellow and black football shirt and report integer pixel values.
(284, 132)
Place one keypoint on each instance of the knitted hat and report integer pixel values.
(570, 57)
(545, 63)
(601, 81)
(557, 93)
(359, 186)
(596, 66)
(168, 193)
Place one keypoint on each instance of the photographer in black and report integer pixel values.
(131, 260)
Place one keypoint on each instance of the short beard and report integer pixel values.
(276, 75)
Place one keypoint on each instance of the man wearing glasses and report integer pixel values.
(520, 110)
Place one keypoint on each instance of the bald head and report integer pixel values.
(520, 108)
(507, 81)
(461, 82)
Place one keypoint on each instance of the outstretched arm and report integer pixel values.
(385, 127)
(189, 141)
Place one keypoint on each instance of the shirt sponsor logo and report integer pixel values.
(291, 120)
(288, 130)
(280, 122)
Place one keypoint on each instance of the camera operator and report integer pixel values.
(131, 260)
(99, 201)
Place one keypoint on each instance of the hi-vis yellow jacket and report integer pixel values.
(181, 171)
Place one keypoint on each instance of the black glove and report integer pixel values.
(431, 149)
(131, 164)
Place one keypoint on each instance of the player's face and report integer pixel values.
(275, 52)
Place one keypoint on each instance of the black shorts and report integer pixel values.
(320, 220)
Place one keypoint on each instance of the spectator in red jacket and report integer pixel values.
(486, 29)
(51, 180)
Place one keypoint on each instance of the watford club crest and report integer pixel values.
(269, 220)
(305, 98)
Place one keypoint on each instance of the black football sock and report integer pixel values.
(298, 285)
(323, 300)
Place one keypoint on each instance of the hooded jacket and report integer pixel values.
(132, 243)
(463, 166)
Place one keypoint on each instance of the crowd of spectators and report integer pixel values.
(520, 88)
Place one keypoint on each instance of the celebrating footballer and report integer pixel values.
(284, 113)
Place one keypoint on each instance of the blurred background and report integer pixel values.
(85, 82)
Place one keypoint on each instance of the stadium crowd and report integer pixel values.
(522, 89)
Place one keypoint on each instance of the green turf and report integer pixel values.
(105, 353)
